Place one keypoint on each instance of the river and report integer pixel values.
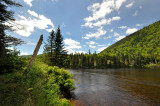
(116, 87)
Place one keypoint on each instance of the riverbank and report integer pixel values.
(41, 85)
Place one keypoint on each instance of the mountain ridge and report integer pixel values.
(139, 39)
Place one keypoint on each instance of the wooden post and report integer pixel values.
(35, 52)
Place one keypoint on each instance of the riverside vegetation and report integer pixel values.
(41, 85)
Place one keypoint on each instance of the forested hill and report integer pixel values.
(145, 41)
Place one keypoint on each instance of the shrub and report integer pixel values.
(46, 84)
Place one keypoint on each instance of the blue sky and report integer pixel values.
(85, 24)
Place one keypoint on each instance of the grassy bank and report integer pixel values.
(41, 85)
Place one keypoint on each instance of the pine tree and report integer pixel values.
(49, 48)
(60, 52)
(8, 59)
(5, 16)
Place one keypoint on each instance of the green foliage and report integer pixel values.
(12, 62)
(46, 84)
(12, 93)
(42, 85)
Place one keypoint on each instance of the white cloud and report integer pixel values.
(85, 37)
(97, 34)
(102, 10)
(136, 13)
(68, 33)
(116, 34)
(88, 24)
(137, 25)
(129, 5)
(91, 46)
(91, 42)
(106, 21)
(115, 18)
(24, 53)
(69, 50)
(26, 26)
(28, 2)
(33, 13)
(101, 49)
(123, 27)
(119, 3)
(119, 38)
(94, 7)
(99, 11)
(131, 30)
(102, 22)
(72, 44)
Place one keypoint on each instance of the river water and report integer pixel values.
(116, 87)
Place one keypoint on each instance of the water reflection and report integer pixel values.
(117, 87)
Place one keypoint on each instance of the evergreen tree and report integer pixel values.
(5, 16)
(49, 48)
(9, 59)
(60, 52)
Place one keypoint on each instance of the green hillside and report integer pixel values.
(146, 40)
(142, 46)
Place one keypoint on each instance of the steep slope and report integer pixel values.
(145, 41)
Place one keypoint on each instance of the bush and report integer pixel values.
(46, 84)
